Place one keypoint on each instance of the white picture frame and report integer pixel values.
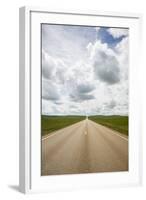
(29, 160)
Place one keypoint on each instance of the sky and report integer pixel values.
(84, 70)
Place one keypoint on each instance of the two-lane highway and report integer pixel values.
(84, 147)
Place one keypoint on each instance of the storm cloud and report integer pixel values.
(81, 97)
(106, 68)
(85, 88)
(105, 63)
(50, 91)
(82, 92)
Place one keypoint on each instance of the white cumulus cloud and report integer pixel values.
(82, 74)
(118, 32)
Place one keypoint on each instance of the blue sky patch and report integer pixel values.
(105, 37)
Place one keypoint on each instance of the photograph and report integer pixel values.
(84, 99)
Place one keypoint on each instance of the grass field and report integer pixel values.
(53, 123)
(118, 123)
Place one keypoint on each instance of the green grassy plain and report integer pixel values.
(53, 123)
(116, 122)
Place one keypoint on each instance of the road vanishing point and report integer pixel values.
(84, 147)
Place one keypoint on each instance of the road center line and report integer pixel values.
(85, 133)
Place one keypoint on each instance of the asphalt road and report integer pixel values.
(84, 147)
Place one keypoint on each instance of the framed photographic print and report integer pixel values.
(79, 100)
